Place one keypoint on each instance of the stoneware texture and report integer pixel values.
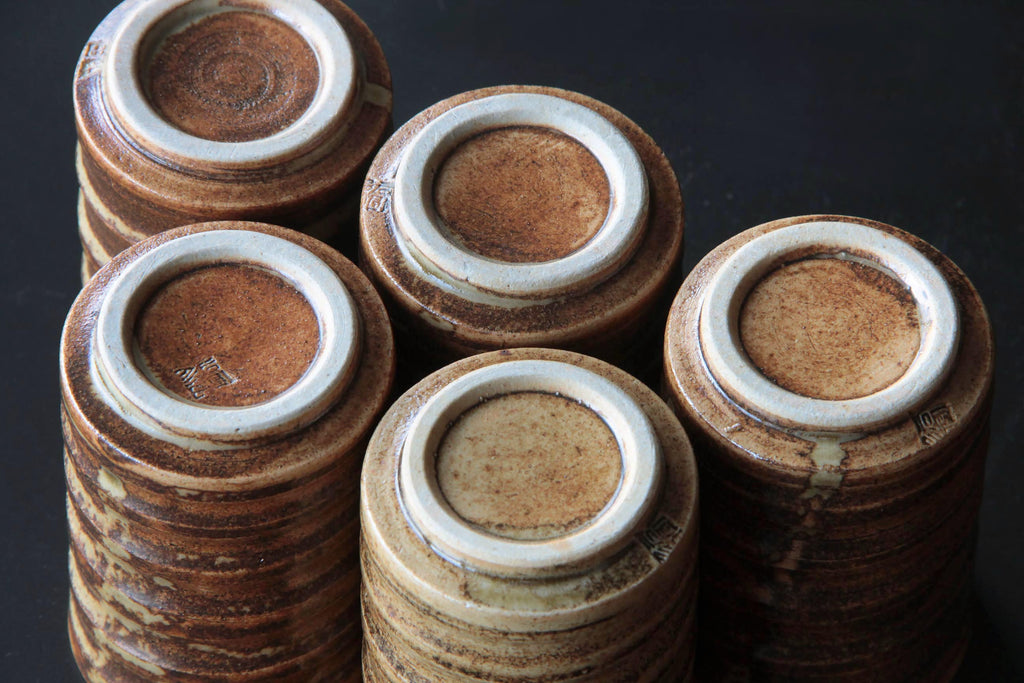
(193, 110)
(522, 216)
(529, 515)
(835, 375)
(219, 385)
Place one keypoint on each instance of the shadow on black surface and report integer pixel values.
(987, 659)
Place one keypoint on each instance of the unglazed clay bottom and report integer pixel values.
(219, 382)
(529, 515)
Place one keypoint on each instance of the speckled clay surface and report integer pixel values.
(840, 555)
(510, 195)
(623, 612)
(234, 558)
(260, 110)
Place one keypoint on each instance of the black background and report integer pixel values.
(906, 112)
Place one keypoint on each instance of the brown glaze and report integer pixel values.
(797, 528)
(620, 320)
(107, 230)
(96, 239)
(830, 328)
(232, 77)
(141, 194)
(528, 465)
(227, 335)
(628, 618)
(522, 194)
(190, 563)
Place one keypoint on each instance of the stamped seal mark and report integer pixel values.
(661, 537)
(934, 423)
(378, 195)
(92, 57)
(206, 374)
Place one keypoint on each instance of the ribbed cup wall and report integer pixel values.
(193, 560)
(626, 614)
(834, 554)
(267, 111)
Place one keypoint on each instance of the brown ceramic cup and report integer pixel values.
(219, 384)
(190, 111)
(522, 216)
(529, 515)
(835, 375)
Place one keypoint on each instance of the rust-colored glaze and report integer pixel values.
(619, 320)
(830, 328)
(631, 617)
(528, 465)
(233, 76)
(114, 223)
(193, 563)
(227, 335)
(876, 527)
(522, 194)
(141, 194)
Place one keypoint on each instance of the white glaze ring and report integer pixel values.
(427, 242)
(609, 531)
(736, 374)
(172, 418)
(153, 19)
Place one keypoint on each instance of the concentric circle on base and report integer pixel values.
(298, 125)
(232, 77)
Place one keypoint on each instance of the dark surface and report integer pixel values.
(904, 112)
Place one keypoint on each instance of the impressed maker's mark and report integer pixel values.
(661, 537)
(204, 375)
(935, 423)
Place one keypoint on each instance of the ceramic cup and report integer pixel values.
(219, 383)
(835, 374)
(195, 110)
(529, 515)
(522, 216)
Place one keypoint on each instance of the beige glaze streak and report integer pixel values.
(117, 565)
(265, 652)
(110, 483)
(98, 658)
(88, 192)
(377, 95)
(828, 456)
(87, 233)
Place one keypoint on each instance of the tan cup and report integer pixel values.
(529, 515)
(522, 216)
(219, 383)
(835, 374)
(192, 110)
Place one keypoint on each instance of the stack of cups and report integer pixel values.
(523, 216)
(529, 515)
(835, 375)
(192, 110)
(219, 384)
